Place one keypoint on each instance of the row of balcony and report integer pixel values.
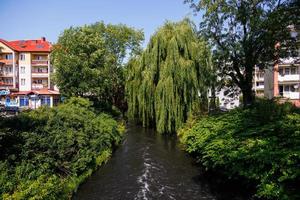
(33, 86)
(6, 84)
(33, 62)
(290, 95)
(33, 71)
(290, 77)
(286, 77)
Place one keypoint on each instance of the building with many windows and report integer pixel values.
(258, 81)
(283, 79)
(25, 74)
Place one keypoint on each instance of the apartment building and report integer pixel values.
(258, 81)
(25, 74)
(283, 80)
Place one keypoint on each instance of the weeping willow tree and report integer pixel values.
(164, 84)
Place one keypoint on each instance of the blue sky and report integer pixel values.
(31, 19)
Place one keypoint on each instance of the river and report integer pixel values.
(151, 166)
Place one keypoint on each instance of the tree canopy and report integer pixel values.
(88, 61)
(244, 34)
(164, 83)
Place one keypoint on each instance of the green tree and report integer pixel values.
(89, 61)
(164, 83)
(244, 34)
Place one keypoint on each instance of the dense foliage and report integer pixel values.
(260, 144)
(164, 83)
(244, 34)
(89, 61)
(47, 153)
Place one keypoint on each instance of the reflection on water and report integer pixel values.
(149, 166)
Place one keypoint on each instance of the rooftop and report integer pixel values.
(40, 45)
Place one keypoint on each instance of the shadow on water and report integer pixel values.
(151, 166)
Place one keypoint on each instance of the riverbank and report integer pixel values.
(149, 165)
(49, 152)
(259, 145)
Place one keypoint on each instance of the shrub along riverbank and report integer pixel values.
(47, 153)
(260, 145)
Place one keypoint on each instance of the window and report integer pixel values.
(42, 70)
(45, 100)
(261, 75)
(24, 101)
(23, 81)
(22, 70)
(294, 70)
(22, 56)
(39, 58)
(287, 71)
(281, 71)
(289, 88)
(40, 81)
(286, 88)
(259, 83)
(55, 101)
(292, 88)
(8, 57)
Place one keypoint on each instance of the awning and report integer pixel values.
(38, 92)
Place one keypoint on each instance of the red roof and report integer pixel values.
(40, 45)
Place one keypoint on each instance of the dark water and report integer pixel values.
(150, 166)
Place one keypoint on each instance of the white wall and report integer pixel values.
(27, 75)
(227, 101)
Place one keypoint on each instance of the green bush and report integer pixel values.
(261, 144)
(50, 151)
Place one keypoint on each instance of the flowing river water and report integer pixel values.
(151, 166)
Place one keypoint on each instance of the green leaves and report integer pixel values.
(243, 35)
(89, 61)
(163, 83)
(260, 144)
(56, 147)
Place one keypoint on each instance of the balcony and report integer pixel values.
(39, 62)
(6, 62)
(40, 73)
(288, 77)
(260, 87)
(291, 95)
(6, 74)
(6, 85)
(259, 78)
(36, 86)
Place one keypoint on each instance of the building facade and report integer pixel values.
(25, 70)
(283, 79)
(259, 81)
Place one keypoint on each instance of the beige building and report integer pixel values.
(25, 74)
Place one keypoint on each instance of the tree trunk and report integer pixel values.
(248, 96)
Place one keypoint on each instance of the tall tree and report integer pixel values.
(164, 83)
(244, 33)
(89, 61)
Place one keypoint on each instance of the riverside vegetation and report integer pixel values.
(47, 153)
(260, 144)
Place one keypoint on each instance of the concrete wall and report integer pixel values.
(269, 83)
